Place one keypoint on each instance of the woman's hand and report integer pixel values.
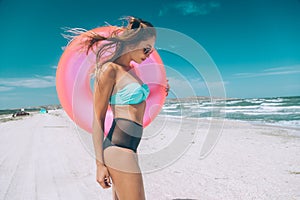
(103, 177)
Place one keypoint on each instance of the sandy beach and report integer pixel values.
(45, 156)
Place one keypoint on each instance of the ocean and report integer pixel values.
(281, 111)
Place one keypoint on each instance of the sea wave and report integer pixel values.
(283, 111)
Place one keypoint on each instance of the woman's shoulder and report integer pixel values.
(108, 69)
(109, 66)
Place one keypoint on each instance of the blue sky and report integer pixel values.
(254, 44)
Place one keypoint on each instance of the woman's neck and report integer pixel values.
(124, 61)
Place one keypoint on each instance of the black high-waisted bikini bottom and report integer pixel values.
(124, 133)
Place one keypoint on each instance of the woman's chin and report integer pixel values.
(139, 61)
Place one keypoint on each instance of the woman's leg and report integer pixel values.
(125, 173)
(114, 193)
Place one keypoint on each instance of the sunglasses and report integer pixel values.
(147, 50)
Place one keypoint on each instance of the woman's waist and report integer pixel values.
(135, 114)
(136, 120)
(136, 123)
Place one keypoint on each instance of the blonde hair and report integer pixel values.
(135, 31)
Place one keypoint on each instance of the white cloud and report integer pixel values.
(295, 69)
(190, 7)
(54, 67)
(37, 82)
(4, 88)
(181, 87)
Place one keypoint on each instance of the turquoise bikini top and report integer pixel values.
(133, 93)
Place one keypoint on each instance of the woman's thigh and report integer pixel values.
(125, 173)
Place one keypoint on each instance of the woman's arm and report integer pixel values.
(103, 86)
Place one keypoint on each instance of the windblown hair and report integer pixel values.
(135, 31)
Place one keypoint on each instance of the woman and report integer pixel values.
(117, 84)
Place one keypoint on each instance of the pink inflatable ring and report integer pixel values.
(74, 91)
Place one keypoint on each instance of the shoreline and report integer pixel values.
(254, 123)
(8, 117)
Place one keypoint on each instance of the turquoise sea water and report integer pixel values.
(282, 111)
